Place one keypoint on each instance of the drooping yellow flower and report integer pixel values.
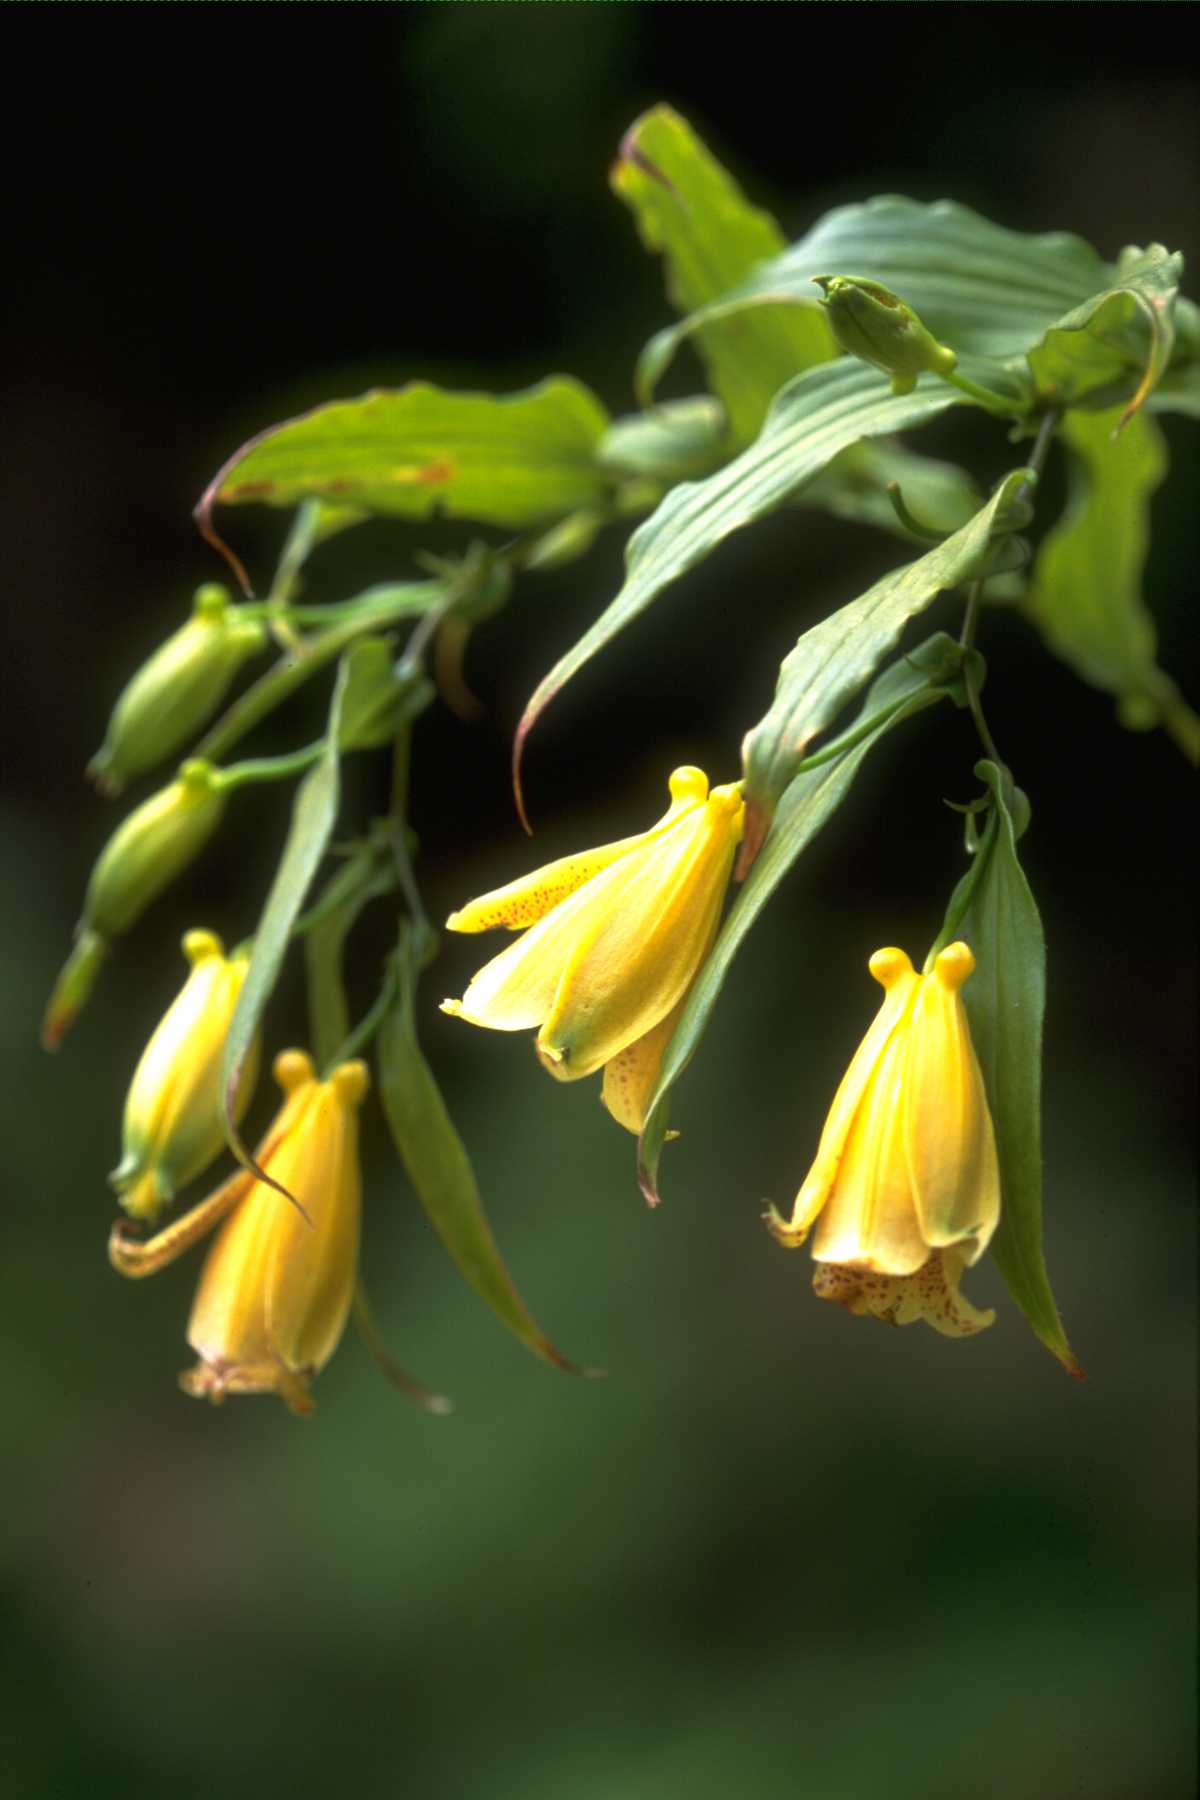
(172, 1128)
(278, 1283)
(614, 938)
(905, 1188)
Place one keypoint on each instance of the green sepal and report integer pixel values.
(436, 1159)
(1005, 1001)
(833, 660)
(910, 685)
(871, 322)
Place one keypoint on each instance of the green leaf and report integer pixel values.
(833, 659)
(910, 685)
(672, 442)
(690, 209)
(1086, 591)
(1005, 1000)
(1118, 343)
(939, 495)
(380, 698)
(314, 813)
(513, 460)
(986, 291)
(819, 414)
(437, 1162)
(367, 873)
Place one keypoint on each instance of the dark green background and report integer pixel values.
(778, 1551)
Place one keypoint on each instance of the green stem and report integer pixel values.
(295, 668)
(964, 893)
(1001, 404)
(267, 768)
(368, 1025)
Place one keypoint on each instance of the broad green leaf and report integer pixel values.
(939, 495)
(314, 813)
(438, 1165)
(1118, 343)
(380, 698)
(510, 460)
(832, 660)
(819, 414)
(691, 210)
(986, 291)
(911, 684)
(1086, 590)
(1005, 1000)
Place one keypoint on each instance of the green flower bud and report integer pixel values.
(872, 323)
(177, 689)
(149, 848)
(144, 854)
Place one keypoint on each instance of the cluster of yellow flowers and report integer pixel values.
(904, 1191)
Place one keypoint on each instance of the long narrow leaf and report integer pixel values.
(314, 813)
(439, 1168)
(1005, 1000)
(811, 420)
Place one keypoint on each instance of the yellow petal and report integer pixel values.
(525, 901)
(931, 1293)
(949, 1143)
(869, 1219)
(895, 974)
(277, 1287)
(640, 933)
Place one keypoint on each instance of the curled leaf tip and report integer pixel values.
(631, 152)
(518, 752)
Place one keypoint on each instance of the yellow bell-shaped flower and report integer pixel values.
(614, 939)
(277, 1286)
(905, 1188)
(172, 1128)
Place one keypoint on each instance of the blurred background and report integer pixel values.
(778, 1551)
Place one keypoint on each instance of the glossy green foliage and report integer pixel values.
(437, 1163)
(917, 681)
(1005, 1000)
(1029, 315)
(1086, 591)
(834, 658)
(815, 417)
(690, 209)
(510, 460)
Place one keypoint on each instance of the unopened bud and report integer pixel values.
(872, 323)
(149, 848)
(177, 689)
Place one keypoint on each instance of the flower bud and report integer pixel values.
(143, 855)
(177, 689)
(172, 1127)
(149, 848)
(872, 323)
